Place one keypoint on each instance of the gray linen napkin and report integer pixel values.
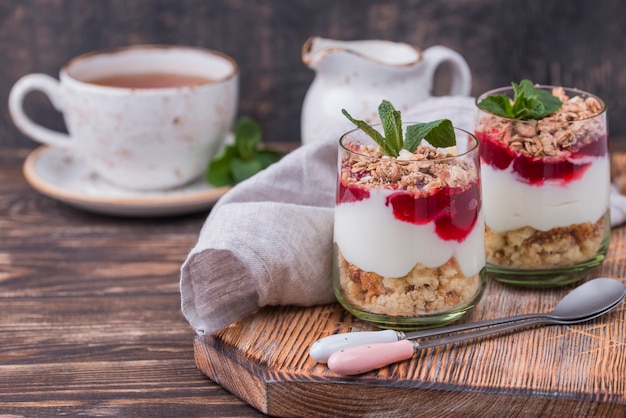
(268, 241)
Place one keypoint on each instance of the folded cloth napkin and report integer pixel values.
(268, 241)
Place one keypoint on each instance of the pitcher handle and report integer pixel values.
(51, 88)
(461, 76)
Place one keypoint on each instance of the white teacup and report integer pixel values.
(143, 117)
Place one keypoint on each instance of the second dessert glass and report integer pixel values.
(546, 186)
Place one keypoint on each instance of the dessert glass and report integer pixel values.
(546, 188)
(409, 233)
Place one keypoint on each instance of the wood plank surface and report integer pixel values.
(577, 370)
(90, 321)
(90, 325)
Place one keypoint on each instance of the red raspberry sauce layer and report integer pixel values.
(536, 170)
(453, 210)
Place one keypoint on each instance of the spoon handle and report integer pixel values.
(471, 325)
(364, 358)
(533, 320)
(483, 332)
(324, 347)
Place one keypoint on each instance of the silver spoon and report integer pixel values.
(591, 299)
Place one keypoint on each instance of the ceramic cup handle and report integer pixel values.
(461, 76)
(51, 88)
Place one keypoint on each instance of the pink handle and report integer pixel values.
(364, 358)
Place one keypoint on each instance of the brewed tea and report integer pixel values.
(151, 80)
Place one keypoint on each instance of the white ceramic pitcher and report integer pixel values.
(358, 75)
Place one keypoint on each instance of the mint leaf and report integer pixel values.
(525, 88)
(244, 169)
(218, 173)
(373, 133)
(529, 108)
(243, 159)
(267, 157)
(498, 105)
(551, 103)
(392, 125)
(439, 134)
(247, 137)
(528, 103)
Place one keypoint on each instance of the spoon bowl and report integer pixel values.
(589, 298)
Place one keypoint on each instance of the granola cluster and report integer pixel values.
(421, 171)
(529, 249)
(563, 132)
(423, 291)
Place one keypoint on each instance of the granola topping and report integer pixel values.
(415, 172)
(564, 132)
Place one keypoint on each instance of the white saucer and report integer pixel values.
(57, 174)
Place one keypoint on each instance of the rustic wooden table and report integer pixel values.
(90, 320)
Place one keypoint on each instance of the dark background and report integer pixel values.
(576, 43)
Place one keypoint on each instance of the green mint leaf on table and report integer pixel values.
(528, 103)
(241, 160)
(247, 137)
(439, 133)
(218, 173)
(242, 169)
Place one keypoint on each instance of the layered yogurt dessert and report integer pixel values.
(409, 230)
(546, 185)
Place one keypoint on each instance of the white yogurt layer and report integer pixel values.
(371, 238)
(510, 204)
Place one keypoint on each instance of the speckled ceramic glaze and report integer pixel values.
(142, 139)
(358, 75)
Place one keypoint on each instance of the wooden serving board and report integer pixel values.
(577, 370)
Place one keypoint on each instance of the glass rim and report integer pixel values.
(578, 92)
(472, 148)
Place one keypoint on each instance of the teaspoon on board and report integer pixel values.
(587, 301)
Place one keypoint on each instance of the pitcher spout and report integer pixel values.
(380, 52)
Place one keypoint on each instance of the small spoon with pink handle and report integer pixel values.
(588, 301)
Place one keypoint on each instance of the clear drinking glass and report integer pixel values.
(546, 188)
(409, 233)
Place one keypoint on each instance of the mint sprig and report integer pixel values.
(528, 103)
(243, 159)
(439, 133)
